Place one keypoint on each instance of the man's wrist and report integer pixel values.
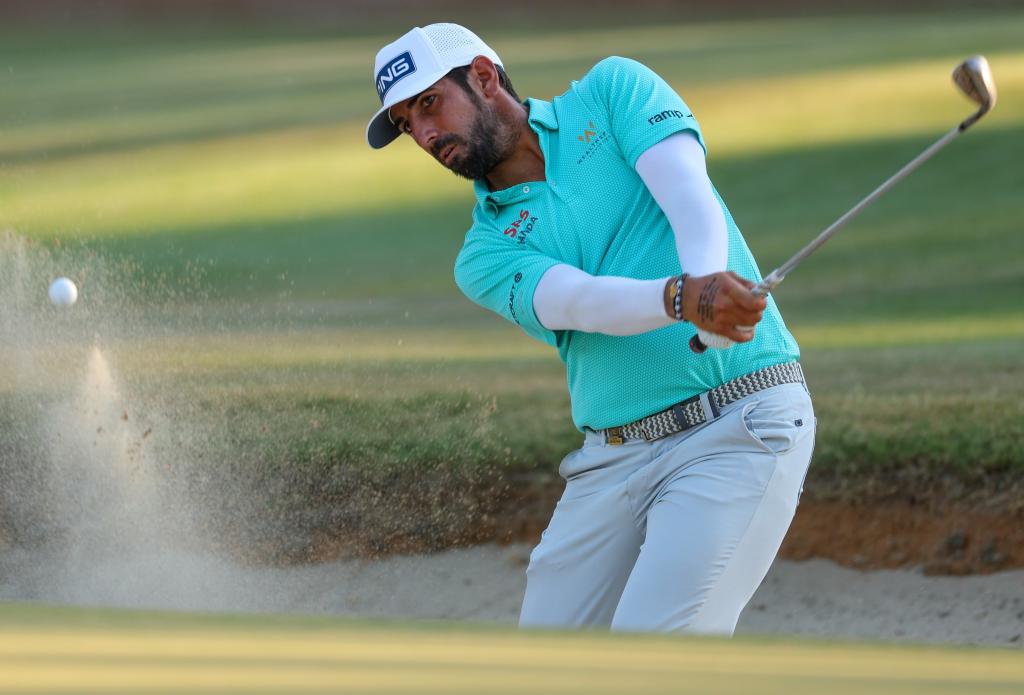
(673, 296)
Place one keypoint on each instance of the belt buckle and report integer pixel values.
(614, 436)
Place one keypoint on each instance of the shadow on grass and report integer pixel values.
(950, 230)
(106, 85)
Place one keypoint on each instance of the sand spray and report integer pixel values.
(92, 506)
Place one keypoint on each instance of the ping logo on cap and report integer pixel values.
(393, 71)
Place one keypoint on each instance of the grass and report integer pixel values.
(266, 271)
(88, 650)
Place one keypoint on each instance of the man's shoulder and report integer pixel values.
(482, 220)
(611, 69)
(596, 84)
(484, 227)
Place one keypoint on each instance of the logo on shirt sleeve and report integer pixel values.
(666, 115)
(512, 296)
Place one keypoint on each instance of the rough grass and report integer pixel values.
(307, 321)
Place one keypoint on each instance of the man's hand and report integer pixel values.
(721, 303)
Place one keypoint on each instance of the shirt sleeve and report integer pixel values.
(498, 274)
(642, 109)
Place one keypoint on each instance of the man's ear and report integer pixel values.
(485, 74)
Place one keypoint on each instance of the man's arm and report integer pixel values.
(674, 171)
(567, 298)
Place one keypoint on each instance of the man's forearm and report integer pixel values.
(567, 298)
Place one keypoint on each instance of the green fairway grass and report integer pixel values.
(64, 650)
(289, 292)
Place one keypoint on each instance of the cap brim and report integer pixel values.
(381, 131)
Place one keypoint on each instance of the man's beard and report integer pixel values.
(487, 146)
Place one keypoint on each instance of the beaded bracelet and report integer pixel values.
(675, 290)
(677, 304)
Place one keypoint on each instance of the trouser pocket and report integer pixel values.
(779, 421)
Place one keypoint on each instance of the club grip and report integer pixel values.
(762, 289)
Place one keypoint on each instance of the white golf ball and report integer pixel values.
(63, 292)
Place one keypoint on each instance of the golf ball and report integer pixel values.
(63, 292)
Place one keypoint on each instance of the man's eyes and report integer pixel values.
(425, 103)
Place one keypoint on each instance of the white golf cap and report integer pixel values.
(417, 60)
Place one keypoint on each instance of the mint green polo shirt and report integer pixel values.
(594, 212)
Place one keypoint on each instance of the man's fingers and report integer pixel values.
(731, 312)
(738, 334)
(739, 292)
(743, 318)
(740, 279)
(737, 324)
(721, 301)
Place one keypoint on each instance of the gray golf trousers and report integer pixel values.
(675, 534)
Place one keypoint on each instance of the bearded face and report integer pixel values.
(487, 144)
(469, 135)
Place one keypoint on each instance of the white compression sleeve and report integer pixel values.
(675, 173)
(567, 298)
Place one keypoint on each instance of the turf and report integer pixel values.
(61, 650)
(290, 276)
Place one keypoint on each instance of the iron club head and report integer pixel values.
(974, 78)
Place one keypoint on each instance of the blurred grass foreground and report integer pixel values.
(277, 303)
(51, 650)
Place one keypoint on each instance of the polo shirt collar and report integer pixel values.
(491, 200)
(542, 115)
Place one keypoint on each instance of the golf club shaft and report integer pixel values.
(779, 274)
(772, 280)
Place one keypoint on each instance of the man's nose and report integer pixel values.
(425, 134)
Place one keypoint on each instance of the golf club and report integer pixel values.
(974, 78)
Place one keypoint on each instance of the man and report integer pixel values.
(597, 230)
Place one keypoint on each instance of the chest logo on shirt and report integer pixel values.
(665, 115)
(521, 227)
(593, 138)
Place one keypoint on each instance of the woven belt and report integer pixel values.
(693, 411)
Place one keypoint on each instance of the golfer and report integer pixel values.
(597, 230)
